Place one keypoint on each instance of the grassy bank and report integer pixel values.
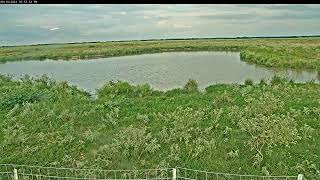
(267, 128)
(293, 52)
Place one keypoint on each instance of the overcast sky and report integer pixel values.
(31, 24)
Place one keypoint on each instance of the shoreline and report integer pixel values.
(293, 53)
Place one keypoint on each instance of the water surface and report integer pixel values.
(162, 71)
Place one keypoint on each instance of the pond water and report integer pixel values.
(162, 71)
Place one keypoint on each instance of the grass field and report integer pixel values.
(277, 52)
(268, 128)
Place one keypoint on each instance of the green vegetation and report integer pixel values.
(267, 128)
(277, 52)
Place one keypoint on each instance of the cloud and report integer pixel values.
(54, 29)
(119, 22)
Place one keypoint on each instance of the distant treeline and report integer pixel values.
(165, 39)
(242, 37)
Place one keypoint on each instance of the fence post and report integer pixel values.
(174, 173)
(15, 174)
(300, 176)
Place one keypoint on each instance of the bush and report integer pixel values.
(21, 96)
(175, 92)
(191, 86)
(269, 131)
(267, 128)
(123, 89)
(248, 82)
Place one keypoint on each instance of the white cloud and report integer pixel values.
(54, 29)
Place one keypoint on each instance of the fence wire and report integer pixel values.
(191, 174)
(44, 173)
(25, 172)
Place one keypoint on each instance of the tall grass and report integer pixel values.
(266, 128)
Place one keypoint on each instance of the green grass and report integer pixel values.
(291, 52)
(267, 128)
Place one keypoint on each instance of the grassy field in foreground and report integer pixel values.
(291, 52)
(270, 128)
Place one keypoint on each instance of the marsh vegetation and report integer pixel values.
(271, 127)
(286, 52)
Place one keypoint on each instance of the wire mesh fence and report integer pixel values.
(24, 172)
(191, 174)
(43, 173)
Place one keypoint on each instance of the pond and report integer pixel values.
(162, 71)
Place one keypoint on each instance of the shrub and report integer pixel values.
(21, 96)
(267, 128)
(266, 104)
(269, 131)
(248, 82)
(182, 127)
(191, 86)
(130, 142)
(123, 89)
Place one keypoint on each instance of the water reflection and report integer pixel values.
(162, 71)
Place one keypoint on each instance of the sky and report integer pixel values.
(38, 24)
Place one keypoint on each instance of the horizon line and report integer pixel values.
(163, 39)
